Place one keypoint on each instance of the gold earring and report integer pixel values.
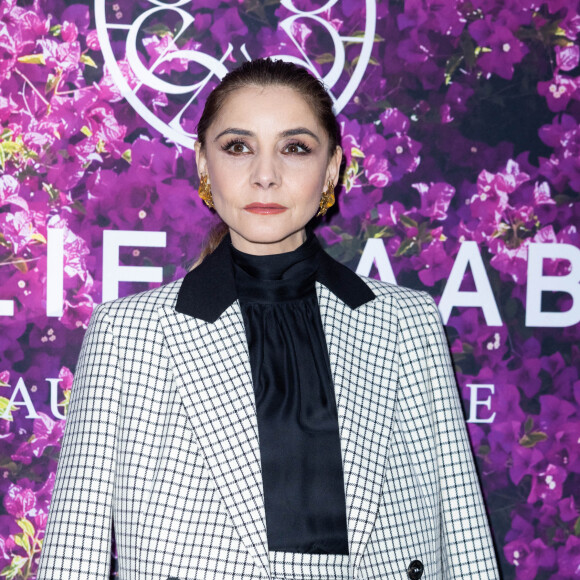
(204, 191)
(327, 199)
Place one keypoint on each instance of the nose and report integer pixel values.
(265, 171)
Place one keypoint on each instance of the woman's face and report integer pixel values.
(267, 161)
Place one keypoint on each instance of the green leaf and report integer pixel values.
(26, 526)
(408, 222)
(55, 30)
(451, 66)
(158, 29)
(127, 156)
(13, 569)
(51, 190)
(32, 59)
(3, 406)
(21, 265)
(531, 439)
(22, 541)
(325, 58)
(407, 247)
(51, 83)
(529, 424)
(86, 59)
(12, 146)
(577, 527)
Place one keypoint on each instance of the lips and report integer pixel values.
(265, 208)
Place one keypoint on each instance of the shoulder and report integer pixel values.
(139, 307)
(399, 296)
(413, 308)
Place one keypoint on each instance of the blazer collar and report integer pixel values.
(208, 290)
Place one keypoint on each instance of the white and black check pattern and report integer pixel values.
(162, 439)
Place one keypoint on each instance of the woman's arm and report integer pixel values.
(77, 541)
(467, 546)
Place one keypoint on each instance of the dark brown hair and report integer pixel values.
(265, 72)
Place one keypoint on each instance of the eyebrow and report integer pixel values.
(288, 133)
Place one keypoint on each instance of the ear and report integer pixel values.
(333, 168)
(200, 159)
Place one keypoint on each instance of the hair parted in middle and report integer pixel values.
(266, 72)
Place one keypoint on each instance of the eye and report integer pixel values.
(236, 146)
(298, 148)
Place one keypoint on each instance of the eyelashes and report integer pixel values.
(229, 147)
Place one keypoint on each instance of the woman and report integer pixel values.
(272, 414)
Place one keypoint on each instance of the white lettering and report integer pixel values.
(6, 307)
(538, 283)
(475, 402)
(113, 273)
(375, 252)
(54, 398)
(26, 401)
(482, 297)
(55, 272)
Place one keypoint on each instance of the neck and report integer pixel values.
(258, 248)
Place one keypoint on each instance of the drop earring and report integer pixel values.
(204, 191)
(327, 200)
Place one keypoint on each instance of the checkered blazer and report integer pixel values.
(161, 440)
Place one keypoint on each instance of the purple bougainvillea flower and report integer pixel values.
(355, 203)
(524, 462)
(547, 484)
(567, 509)
(529, 556)
(19, 229)
(568, 558)
(433, 263)
(47, 432)
(79, 15)
(435, 199)
(394, 121)
(377, 170)
(567, 57)
(403, 155)
(554, 413)
(19, 501)
(505, 50)
(559, 91)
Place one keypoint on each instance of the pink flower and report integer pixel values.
(19, 501)
(93, 40)
(435, 199)
(69, 31)
(567, 57)
(547, 485)
(66, 379)
(559, 91)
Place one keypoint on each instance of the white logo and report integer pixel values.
(126, 27)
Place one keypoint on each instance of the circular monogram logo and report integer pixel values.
(166, 56)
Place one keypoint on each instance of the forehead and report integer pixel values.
(255, 107)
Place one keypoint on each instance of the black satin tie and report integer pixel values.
(295, 404)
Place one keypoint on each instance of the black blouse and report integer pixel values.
(295, 404)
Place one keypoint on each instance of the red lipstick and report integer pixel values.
(265, 208)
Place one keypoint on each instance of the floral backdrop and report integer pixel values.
(464, 127)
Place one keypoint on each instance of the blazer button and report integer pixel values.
(415, 570)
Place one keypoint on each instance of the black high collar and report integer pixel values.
(210, 288)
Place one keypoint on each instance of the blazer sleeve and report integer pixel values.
(466, 539)
(77, 540)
